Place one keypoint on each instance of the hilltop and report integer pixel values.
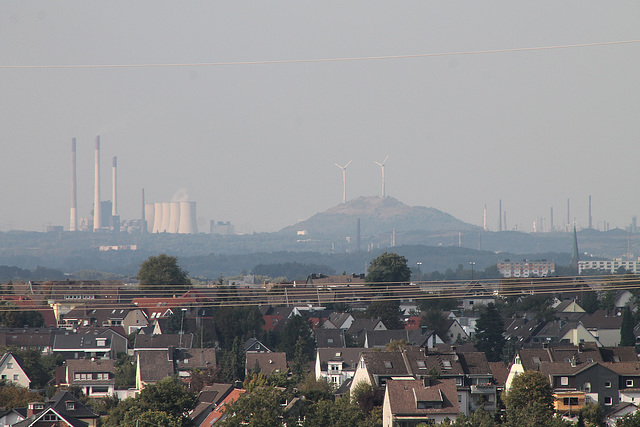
(378, 215)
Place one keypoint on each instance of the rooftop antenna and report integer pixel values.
(344, 181)
(382, 166)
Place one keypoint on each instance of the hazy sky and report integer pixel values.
(256, 144)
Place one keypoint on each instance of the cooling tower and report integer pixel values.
(149, 217)
(188, 224)
(157, 218)
(97, 217)
(166, 217)
(174, 224)
(73, 223)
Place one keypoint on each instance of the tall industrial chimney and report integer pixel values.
(590, 217)
(551, 223)
(97, 216)
(500, 217)
(73, 223)
(114, 189)
(568, 215)
(484, 218)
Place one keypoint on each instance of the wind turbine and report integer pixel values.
(382, 166)
(344, 181)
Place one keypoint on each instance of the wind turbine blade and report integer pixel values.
(345, 166)
(385, 159)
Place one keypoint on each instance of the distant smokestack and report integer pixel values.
(97, 217)
(114, 188)
(551, 222)
(500, 217)
(73, 223)
(568, 215)
(484, 218)
(590, 218)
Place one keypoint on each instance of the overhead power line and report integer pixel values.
(318, 60)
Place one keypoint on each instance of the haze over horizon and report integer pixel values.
(256, 144)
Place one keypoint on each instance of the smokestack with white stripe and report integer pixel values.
(97, 217)
(73, 222)
(114, 189)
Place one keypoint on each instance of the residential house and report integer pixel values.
(29, 338)
(96, 378)
(613, 414)
(208, 399)
(424, 337)
(252, 345)
(62, 409)
(12, 416)
(330, 338)
(90, 343)
(196, 358)
(380, 339)
(475, 296)
(152, 366)
(218, 414)
(408, 402)
(605, 326)
(11, 370)
(338, 321)
(337, 365)
(267, 363)
(162, 342)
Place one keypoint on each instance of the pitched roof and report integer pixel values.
(154, 365)
(404, 397)
(330, 338)
(382, 338)
(218, 413)
(196, 358)
(500, 373)
(348, 356)
(601, 319)
(268, 362)
(163, 341)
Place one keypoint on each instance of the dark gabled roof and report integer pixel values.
(330, 338)
(382, 338)
(532, 358)
(500, 373)
(404, 395)
(338, 319)
(33, 419)
(348, 356)
(420, 336)
(155, 365)
(360, 325)
(385, 363)
(625, 368)
(163, 341)
(59, 403)
(601, 319)
(196, 358)
(475, 363)
(522, 329)
(619, 354)
(251, 342)
(565, 368)
(28, 337)
(80, 341)
(421, 361)
(214, 393)
(268, 362)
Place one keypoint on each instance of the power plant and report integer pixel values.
(178, 217)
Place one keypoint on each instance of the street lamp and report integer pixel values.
(472, 263)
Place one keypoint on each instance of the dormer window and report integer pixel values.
(71, 406)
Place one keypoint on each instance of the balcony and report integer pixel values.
(483, 389)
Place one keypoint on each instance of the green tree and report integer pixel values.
(261, 408)
(530, 400)
(168, 396)
(297, 328)
(593, 415)
(434, 319)
(12, 316)
(162, 272)
(389, 268)
(125, 368)
(627, 337)
(489, 333)
(629, 420)
(14, 396)
(388, 311)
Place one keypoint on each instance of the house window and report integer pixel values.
(4, 377)
(608, 400)
(586, 387)
(564, 380)
(50, 417)
(459, 381)
(570, 401)
(629, 383)
(607, 384)
(9, 365)
(446, 364)
(71, 406)
(16, 377)
(421, 364)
